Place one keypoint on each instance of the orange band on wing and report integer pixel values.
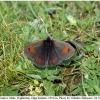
(65, 50)
(31, 49)
(53, 60)
(39, 60)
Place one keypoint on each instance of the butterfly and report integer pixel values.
(49, 52)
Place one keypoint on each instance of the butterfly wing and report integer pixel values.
(53, 57)
(40, 60)
(34, 52)
(63, 49)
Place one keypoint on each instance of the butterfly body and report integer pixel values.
(48, 52)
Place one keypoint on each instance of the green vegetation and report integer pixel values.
(23, 22)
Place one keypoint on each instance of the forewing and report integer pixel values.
(63, 49)
(31, 50)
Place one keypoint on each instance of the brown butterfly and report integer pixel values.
(49, 52)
